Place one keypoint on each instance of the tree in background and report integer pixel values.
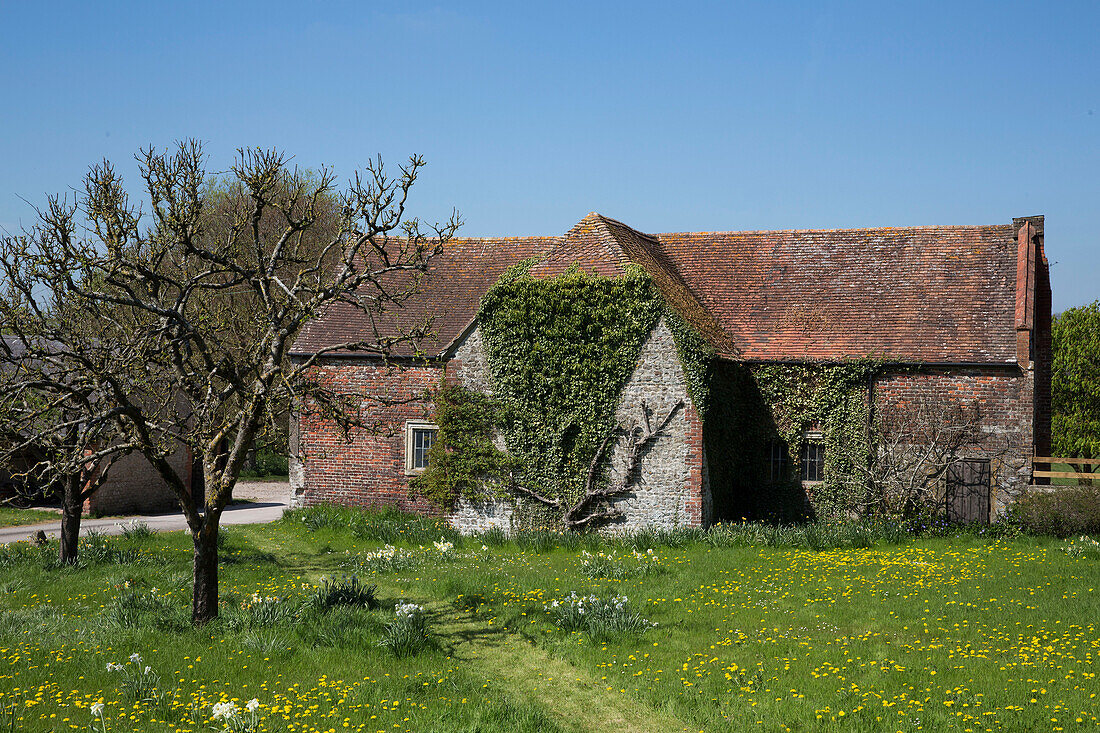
(58, 436)
(227, 201)
(1075, 382)
(202, 302)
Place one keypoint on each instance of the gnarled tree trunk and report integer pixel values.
(72, 506)
(204, 598)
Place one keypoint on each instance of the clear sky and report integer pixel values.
(668, 116)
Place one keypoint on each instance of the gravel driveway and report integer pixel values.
(269, 499)
(275, 491)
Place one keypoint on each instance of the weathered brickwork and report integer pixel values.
(134, 487)
(935, 296)
(1004, 398)
(369, 470)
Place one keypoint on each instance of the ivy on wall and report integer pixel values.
(464, 460)
(560, 351)
(831, 398)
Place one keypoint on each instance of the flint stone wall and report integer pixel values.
(668, 489)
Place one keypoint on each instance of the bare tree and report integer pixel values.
(208, 307)
(914, 443)
(49, 407)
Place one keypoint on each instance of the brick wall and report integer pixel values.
(1004, 397)
(370, 469)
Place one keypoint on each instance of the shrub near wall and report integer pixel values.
(1064, 512)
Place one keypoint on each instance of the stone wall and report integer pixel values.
(668, 490)
(470, 368)
(134, 487)
(669, 487)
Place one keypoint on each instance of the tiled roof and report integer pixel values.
(936, 294)
(450, 293)
(605, 246)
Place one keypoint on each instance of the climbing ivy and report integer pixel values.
(831, 398)
(464, 460)
(560, 350)
(696, 359)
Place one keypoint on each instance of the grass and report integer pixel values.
(757, 628)
(12, 517)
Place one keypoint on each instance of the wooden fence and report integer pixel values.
(1048, 461)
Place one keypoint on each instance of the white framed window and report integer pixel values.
(419, 436)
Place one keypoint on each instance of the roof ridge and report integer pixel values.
(925, 227)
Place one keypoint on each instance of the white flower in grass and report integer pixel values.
(113, 667)
(135, 658)
(224, 710)
(97, 709)
(252, 705)
(148, 669)
(407, 610)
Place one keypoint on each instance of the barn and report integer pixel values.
(730, 375)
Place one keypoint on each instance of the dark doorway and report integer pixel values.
(968, 487)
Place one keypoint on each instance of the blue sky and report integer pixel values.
(669, 117)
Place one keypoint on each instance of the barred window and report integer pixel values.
(778, 461)
(813, 460)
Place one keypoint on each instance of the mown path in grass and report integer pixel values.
(573, 697)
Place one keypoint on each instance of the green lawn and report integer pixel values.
(12, 517)
(963, 633)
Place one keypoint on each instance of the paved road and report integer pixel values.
(268, 504)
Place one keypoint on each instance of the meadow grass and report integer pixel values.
(12, 517)
(756, 628)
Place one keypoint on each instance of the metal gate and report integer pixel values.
(968, 488)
